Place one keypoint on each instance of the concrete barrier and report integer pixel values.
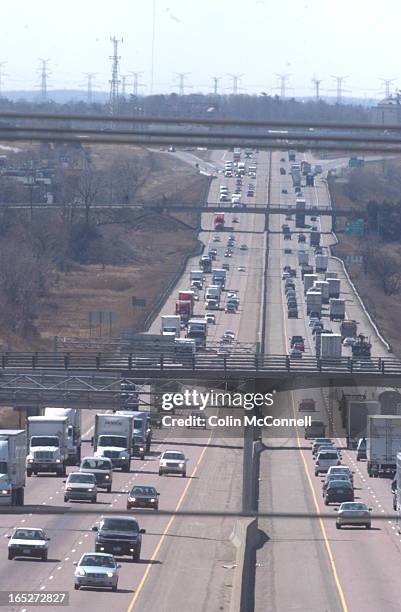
(246, 539)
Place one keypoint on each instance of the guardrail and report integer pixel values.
(154, 363)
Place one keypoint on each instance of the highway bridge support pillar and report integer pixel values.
(247, 470)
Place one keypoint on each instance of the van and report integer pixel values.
(326, 459)
(361, 449)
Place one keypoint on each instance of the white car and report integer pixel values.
(96, 570)
(216, 239)
(210, 318)
(173, 462)
(80, 486)
(243, 247)
(228, 336)
(349, 341)
(241, 268)
(326, 459)
(28, 542)
(342, 469)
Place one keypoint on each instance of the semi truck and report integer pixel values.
(334, 287)
(309, 280)
(383, 444)
(357, 419)
(314, 238)
(322, 262)
(306, 269)
(184, 309)
(337, 310)
(219, 221)
(171, 326)
(390, 401)
(362, 346)
(219, 277)
(348, 329)
(48, 445)
(213, 292)
(141, 432)
(205, 263)
(196, 278)
(74, 431)
(313, 302)
(303, 257)
(330, 346)
(113, 439)
(12, 466)
(323, 287)
(197, 330)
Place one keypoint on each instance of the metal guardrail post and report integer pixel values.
(382, 365)
(66, 359)
(225, 363)
(319, 365)
(256, 362)
(98, 361)
(34, 360)
(193, 361)
(130, 361)
(161, 361)
(287, 363)
(3, 361)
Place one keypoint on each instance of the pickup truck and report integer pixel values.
(316, 429)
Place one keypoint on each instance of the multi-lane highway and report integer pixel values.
(307, 564)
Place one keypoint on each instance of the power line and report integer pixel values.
(236, 79)
(44, 73)
(181, 83)
(136, 84)
(283, 80)
(114, 81)
(387, 83)
(90, 76)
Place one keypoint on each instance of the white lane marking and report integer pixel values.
(59, 567)
(51, 577)
(66, 558)
(42, 588)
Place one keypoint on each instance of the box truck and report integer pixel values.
(313, 301)
(303, 257)
(12, 466)
(113, 439)
(309, 280)
(337, 309)
(74, 431)
(383, 444)
(197, 330)
(171, 326)
(321, 263)
(48, 445)
(330, 346)
(334, 287)
(348, 329)
(323, 287)
(219, 277)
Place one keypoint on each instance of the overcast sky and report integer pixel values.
(256, 38)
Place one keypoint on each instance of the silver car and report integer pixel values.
(80, 486)
(353, 513)
(96, 570)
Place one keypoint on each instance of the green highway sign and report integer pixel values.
(355, 228)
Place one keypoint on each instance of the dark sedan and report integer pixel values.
(339, 491)
(143, 497)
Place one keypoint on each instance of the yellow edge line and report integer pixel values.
(321, 523)
(166, 529)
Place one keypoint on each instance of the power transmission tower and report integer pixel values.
(90, 76)
(316, 82)
(136, 84)
(283, 80)
(216, 80)
(44, 73)
(340, 90)
(114, 82)
(387, 83)
(2, 74)
(236, 79)
(181, 86)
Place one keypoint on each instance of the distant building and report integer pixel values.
(388, 110)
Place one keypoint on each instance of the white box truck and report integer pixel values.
(303, 257)
(171, 326)
(219, 277)
(313, 301)
(357, 419)
(74, 431)
(383, 443)
(334, 287)
(330, 346)
(12, 466)
(323, 287)
(196, 278)
(113, 439)
(322, 262)
(213, 292)
(309, 280)
(48, 445)
(337, 309)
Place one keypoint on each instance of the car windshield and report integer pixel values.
(29, 534)
(118, 441)
(144, 491)
(354, 506)
(45, 441)
(98, 561)
(327, 456)
(120, 525)
(338, 477)
(88, 478)
(339, 484)
(177, 456)
(96, 464)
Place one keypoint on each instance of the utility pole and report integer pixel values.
(236, 79)
(181, 86)
(283, 80)
(43, 80)
(115, 81)
(387, 83)
(216, 85)
(136, 84)
(316, 83)
(2, 73)
(152, 61)
(339, 80)
(89, 76)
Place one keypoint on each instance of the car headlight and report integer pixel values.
(58, 460)
(5, 492)
(132, 498)
(110, 574)
(81, 572)
(124, 457)
(69, 488)
(152, 500)
(141, 449)
(180, 465)
(107, 477)
(30, 460)
(90, 490)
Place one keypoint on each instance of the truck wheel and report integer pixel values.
(44, 556)
(10, 556)
(184, 474)
(35, 471)
(65, 499)
(326, 503)
(125, 468)
(142, 457)
(368, 526)
(160, 473)
(108, 489)
(94, 500)
(76, 587)
(29, 473)
(114, 588)
(338, 526)
(136, 556)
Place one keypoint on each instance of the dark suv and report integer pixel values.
(119, 536)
